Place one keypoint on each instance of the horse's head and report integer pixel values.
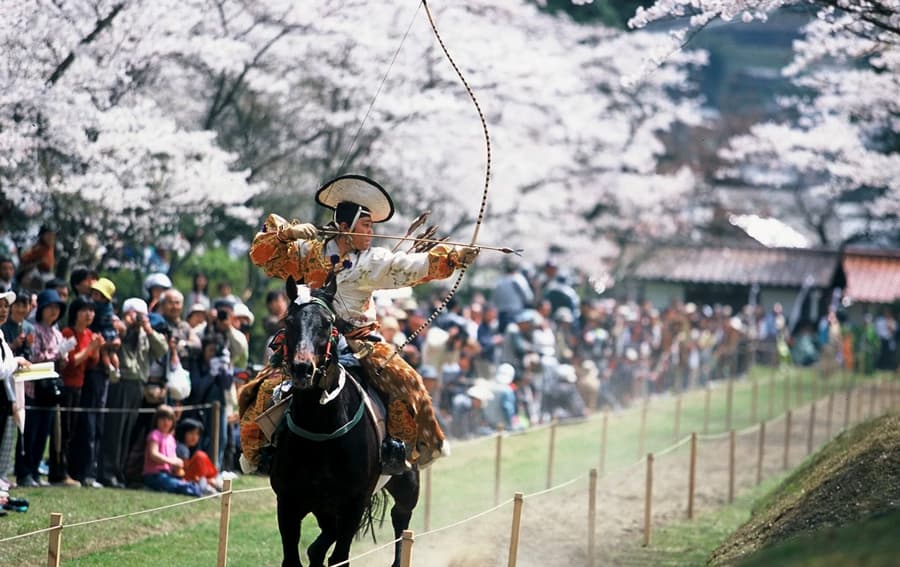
(310, 337)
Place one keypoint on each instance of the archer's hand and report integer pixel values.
(294, 231)
(466, 254)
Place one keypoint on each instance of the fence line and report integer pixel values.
(859, 388)
(81, 409)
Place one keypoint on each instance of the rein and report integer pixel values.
(328, 357)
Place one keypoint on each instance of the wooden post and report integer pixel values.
(224, 518)
(755, 399)
(498, 458)
(592, 517)
(787, 389)
(603, 442)
(729, 402)
(771, 394)
(848, 395)
(860, 394)
(830, 416)
(648, 500)
(53, 549)
(810, 439)
(761, 455)
(643, 435)
(514, 534)
(787, 438)
(677, 431)
(692, 477)
(406, 546)
(428, 499)
(732, 442)
(799, 385)
(873, 391)
(216, 413)
(552, 452)
(706, 403)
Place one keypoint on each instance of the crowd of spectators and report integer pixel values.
(539, 345)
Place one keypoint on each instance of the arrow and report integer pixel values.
(504, 250)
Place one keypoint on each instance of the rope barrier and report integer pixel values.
(79, 409)
(467, 520)
(370, 552)
(753, 428)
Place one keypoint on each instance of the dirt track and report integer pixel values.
(554, 530)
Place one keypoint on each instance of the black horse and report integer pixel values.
(327, 457)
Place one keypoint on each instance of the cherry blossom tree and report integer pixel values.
(132, 119)
(840, 154)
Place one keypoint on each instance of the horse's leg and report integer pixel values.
(345, 529)
(289, 520)
(318, 549)
(405, 491)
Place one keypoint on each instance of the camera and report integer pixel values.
(222, 315)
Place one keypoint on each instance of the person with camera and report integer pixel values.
(49, 346)
(140, 345)
(212, 375)
(85, 353)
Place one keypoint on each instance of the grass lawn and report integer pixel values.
(462, 485)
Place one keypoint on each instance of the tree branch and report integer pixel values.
(89, 38)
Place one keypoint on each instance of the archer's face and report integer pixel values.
(363, 227)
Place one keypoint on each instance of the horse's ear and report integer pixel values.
(290, 288)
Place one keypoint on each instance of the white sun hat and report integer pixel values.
(359, 190)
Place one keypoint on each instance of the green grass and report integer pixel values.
(463, 485)
(690, 543)
(872, 542)
(845, 494)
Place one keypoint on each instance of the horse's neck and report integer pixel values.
(308, 409)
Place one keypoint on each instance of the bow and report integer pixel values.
(484, 194)
(487, 176)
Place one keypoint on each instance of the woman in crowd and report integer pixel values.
(49, 346)
(86, 353)
(9, 363)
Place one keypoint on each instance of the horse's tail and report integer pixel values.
(376, 509)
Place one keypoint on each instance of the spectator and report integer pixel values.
(276, 304)
(9, 363)
(102, 292)
(155, 284)
(7, 274)
(160, 458)
(223, 326)
(140, 345)
(500, 409)
(18, 329)
(81, 280)
(197, 464)
(186, 339)
(38, 262)
(511, 295)
(60, 287)
(211, 377)
(49, 346)
(86, 351)
(199, 294)
(196, 316)
(225, 294)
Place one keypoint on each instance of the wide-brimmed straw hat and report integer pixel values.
(359, 190)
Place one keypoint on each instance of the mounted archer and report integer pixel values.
(292, 249)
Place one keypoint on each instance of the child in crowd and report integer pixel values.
(161, 460)
(102, 292)
(197, 464)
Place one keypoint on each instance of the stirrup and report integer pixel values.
(393, 457)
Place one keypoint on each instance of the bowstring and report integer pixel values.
(378, 90)
(487, 180)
